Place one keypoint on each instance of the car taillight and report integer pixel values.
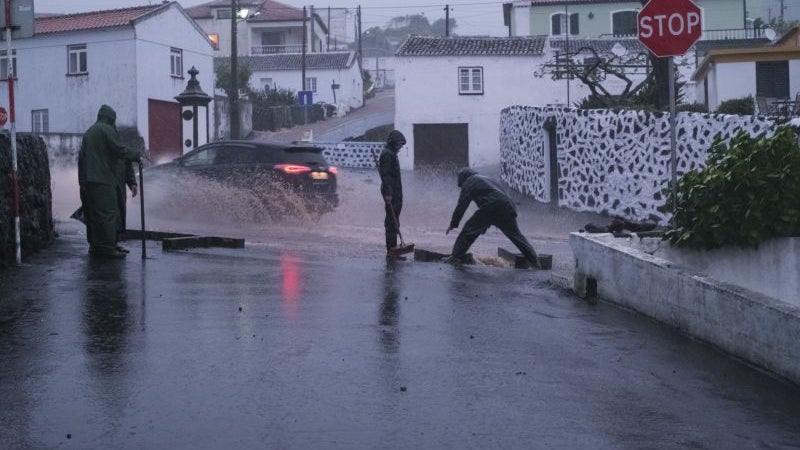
(333, 170)
(292, 168)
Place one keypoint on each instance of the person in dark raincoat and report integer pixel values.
(495, 207)
(391, 188)
(100, 154)
(126, 179)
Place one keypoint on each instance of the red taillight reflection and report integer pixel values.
(333, 170)
(292, 168)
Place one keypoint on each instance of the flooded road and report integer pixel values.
(309, 338)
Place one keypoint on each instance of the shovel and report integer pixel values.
(403, 248)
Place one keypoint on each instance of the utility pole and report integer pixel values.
(328, 37)
(313, 35)
(782, 8)
(360, 49)
(447, 20)
(12, 116)
(234, 93)
(303, 59)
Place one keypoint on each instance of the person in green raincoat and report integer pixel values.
(100, 154)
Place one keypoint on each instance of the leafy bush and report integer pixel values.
(692, 107)
(748, 192)
(741, 106)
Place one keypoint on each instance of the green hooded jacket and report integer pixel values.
(101, 150)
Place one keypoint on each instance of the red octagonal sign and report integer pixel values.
(669, 27)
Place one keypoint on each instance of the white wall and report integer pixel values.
(349, 95)
(732, 80)
(164, 31)
(521, 18)
(73, 101)
(427, 93)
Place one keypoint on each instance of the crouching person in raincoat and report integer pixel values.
(494, 208)
(98, 160)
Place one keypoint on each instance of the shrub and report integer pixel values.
(741, 106)
(692, 107)
(749, 191)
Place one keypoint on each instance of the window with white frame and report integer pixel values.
(176, 62)
(40, 121)
(77, 60)
(563, 25)
(4, 64)
(311, 84)
(224, 14)
(266, 84)
(470, 80)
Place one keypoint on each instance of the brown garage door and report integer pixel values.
(164, 119)
(441, 145)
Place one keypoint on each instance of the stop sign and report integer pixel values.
(669, 27)
(3, 116)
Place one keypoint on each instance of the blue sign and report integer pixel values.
(305, 98)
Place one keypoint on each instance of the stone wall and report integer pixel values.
(35, 198)
(356, 155)
(610, 162)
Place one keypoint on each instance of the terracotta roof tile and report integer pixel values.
(92, 20)
(471, 46)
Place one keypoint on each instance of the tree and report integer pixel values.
(224, 78)
(660, 68)
(438, 27)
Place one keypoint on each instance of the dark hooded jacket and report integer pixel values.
(101, 150)
(389, 166)
(484, 191)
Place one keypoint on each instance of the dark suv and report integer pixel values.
(268, 170)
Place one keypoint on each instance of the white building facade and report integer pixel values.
(133, 59)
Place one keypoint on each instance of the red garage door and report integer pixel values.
(164, 119)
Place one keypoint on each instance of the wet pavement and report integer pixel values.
(294, 345)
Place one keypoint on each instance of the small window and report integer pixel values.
(214, 38)
(224, 14)
(470, 80)
(560, 26)
(202, 157)
(623, 23)
(40, 120)
(77, 63)
(266, 84)
(176, 62)
(4, 64)
(311, 84)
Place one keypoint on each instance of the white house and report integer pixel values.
(270, 39)
(450, 92)
(332, 77)
(133, 59)
(771, 71)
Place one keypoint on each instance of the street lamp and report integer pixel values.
(234, 93)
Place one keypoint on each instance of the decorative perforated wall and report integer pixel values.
(616, 163)
(357, 155)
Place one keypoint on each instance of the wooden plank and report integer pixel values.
(183, 243)
(151, 235)
(520, 262)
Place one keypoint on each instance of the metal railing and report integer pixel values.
(275, 49)
(708, 35)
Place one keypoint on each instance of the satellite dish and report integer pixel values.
(769, 33)
(619, 50)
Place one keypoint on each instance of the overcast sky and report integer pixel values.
(473, 17)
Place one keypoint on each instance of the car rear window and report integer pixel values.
(308, 155)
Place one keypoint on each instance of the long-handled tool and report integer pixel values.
(403, 248)
(141, 207)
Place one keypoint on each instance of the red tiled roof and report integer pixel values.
(268, 10)
(92, 20)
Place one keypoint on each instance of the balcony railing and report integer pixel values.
(729, 34)
(275, 49)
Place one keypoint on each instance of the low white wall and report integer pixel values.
(773, 269)
(754, 327)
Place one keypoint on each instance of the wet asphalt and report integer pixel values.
(288, 344)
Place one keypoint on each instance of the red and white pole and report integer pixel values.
(12, 119)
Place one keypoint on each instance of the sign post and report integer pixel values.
(668, 28)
